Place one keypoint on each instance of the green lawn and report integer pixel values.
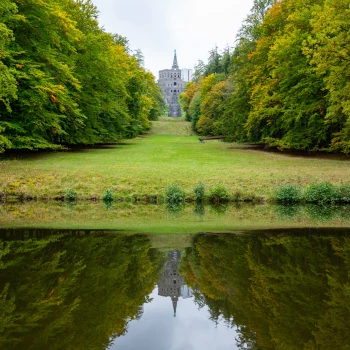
(170, 154)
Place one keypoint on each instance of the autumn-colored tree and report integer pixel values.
(328, 49)
(213, 105)
(236, 67)
(42, 61)
(195, 109)
(288, 77)
(186, 97)
(64, 80)
(287, 97)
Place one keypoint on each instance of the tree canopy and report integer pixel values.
(64, 80)
(287, 79)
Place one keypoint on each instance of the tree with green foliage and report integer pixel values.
(64, 80)
(288, 77)
(215, 91)
(328, 49)
(186, 97)
(287, 98)
(8, 89)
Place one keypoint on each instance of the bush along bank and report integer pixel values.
(288, 194)
(173, 194)
(316, 193)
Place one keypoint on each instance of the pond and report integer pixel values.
(105, 289)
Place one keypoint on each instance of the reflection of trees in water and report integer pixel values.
(73, 292)
(280, 291)
(318, 213)
(80, 292)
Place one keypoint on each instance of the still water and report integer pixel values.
(174, 320)
(83, 289)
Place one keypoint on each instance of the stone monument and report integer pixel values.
(172, 85)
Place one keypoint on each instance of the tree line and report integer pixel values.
(64, 80)
(286, 82)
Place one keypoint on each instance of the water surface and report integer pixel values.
(163, 219)
(90, 289)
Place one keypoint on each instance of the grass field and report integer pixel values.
(170, 154)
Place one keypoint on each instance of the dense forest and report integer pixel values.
(286, 82)
(64, 80)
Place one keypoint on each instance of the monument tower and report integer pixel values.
(172, 85)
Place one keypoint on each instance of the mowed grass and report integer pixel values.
(170, 154)
(171, 126)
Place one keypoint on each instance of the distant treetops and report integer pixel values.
(64, 80)
(286, 83)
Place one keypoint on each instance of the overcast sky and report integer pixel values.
(157, 27)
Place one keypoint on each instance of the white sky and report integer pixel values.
(157, 27)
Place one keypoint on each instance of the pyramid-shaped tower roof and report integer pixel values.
(175, 65)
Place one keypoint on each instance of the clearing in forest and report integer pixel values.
(171, 153)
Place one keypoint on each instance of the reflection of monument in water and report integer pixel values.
(171, 283)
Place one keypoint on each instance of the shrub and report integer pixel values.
(70, 195)
(219, 194)
(108, 195)
(321, 193)
(287, 194)
(237, 196)
(174, 194)
(343, 193)
(199, 192)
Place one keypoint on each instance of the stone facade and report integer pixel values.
(172, 85)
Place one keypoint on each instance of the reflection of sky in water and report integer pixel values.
(190, 330)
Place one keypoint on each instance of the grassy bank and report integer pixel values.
(142, 168)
